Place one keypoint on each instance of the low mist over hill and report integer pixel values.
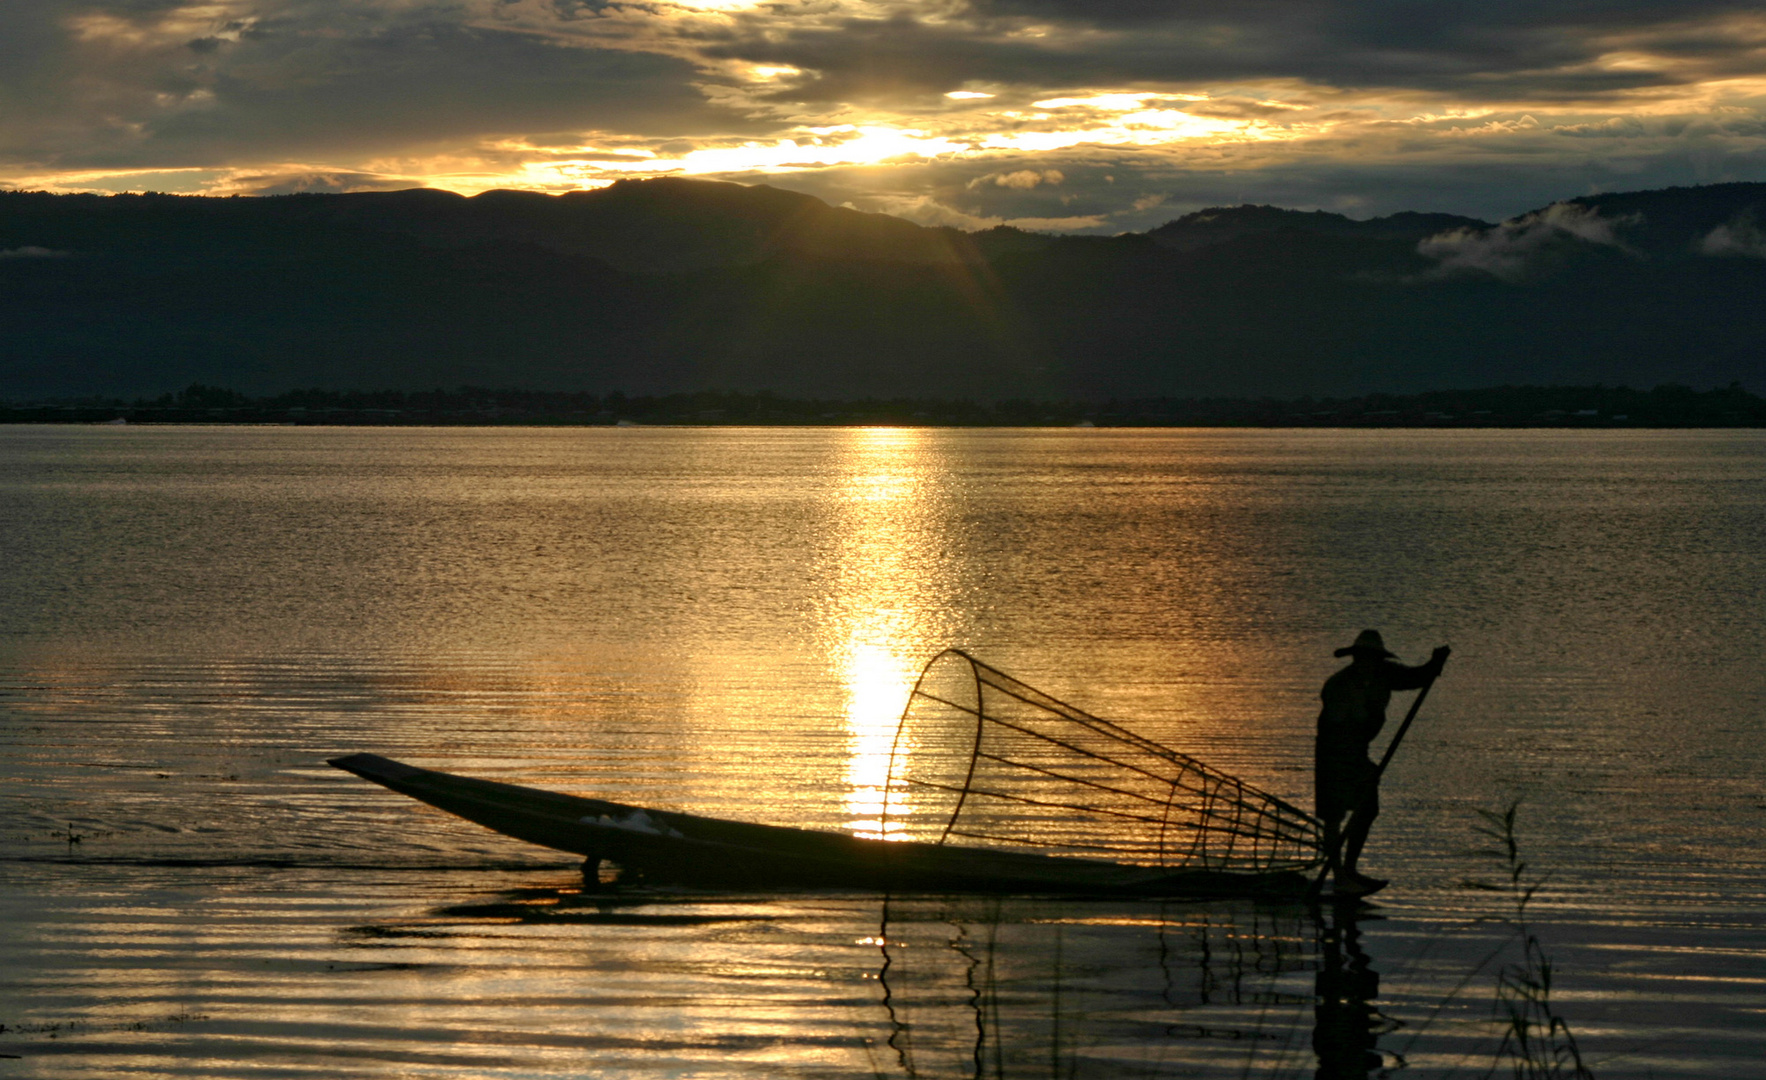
(673, 285)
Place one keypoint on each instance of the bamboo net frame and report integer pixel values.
(981, 759)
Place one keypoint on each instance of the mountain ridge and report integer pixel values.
(676, 285)
(1216, 225)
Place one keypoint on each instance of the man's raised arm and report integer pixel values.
(1415, 678)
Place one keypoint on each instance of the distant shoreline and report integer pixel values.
(1572, 407)
(519, 422)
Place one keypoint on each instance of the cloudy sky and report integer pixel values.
(1075, 115)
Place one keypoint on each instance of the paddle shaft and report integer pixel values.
(1335, 853)
(1392, 747)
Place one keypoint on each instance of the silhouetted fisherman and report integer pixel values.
(1355, 700)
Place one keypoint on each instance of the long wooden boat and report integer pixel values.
(668, 846)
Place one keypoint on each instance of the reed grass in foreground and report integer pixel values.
(1537, 1043)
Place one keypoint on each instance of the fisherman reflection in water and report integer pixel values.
(1347, 783)
(1348, 1026)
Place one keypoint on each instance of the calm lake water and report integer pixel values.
(728, 621)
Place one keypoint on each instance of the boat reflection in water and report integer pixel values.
(997, 988)
(965, 987)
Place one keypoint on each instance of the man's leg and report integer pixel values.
(1360, 821)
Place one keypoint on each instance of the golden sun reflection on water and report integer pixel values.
(885, 548)
(876, 680)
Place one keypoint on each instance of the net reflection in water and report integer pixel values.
(997, 988)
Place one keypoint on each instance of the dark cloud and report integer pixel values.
(308, 80)
(1235, 109)
(1615, 127)
(1475, 52)
(1421, 22)
(322, 182)
(867, 60)
(413, 85)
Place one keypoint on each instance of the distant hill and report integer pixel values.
(673, 285)
(1211, 228)
(649, 225)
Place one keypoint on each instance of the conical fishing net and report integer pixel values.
(980, 759)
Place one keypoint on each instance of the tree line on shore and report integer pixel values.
(1503, 406)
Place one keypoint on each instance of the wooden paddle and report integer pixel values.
(1335, 854)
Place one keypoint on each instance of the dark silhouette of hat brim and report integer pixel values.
(1368, 642)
